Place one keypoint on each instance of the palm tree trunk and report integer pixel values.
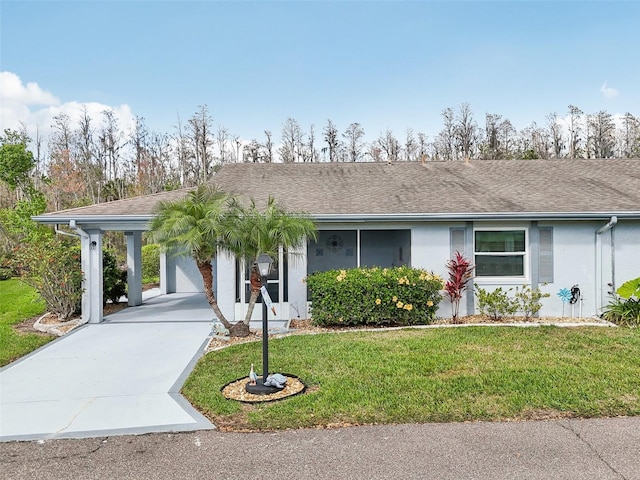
(256, 284)
(207, 279)
(252, 303)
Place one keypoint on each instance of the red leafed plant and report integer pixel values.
(460, 271)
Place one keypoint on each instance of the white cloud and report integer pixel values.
(608, 92)
(35, 107)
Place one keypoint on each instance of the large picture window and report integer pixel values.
(500, 253)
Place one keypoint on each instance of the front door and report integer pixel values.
(276, 286)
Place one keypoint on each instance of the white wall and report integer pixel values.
(431, 250)
(225, 284)
(188, 278)
(574, 256)
(627, 255)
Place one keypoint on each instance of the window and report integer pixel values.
(500, 253)
(336, 249)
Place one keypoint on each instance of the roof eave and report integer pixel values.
(102, 222)
(140, 221)
(464, 216)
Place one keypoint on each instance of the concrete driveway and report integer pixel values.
(122, 376)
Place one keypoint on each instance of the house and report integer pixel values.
(546, 223)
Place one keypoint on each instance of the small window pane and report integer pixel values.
(499, 265)
(500, 241)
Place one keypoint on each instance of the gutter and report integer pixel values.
(367, 217)
(598, 259)
(74, 226)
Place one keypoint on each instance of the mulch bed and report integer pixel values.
(236, 390)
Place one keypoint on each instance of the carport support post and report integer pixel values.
(93, 281)
(134, 268)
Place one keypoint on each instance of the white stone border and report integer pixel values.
(57, 329)
(597, 322)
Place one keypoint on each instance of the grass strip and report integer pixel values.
(18, 302)
(434, 375)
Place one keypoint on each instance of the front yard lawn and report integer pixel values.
(18, 302)
(431, 375)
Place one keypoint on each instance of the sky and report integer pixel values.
(384, 64)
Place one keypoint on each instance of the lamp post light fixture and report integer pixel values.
(264, 262)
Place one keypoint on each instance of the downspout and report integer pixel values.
(73, 226)
(609, 226)
(62, 232)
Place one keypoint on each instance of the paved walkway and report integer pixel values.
(121, 376)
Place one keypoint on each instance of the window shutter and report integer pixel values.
(545, 262)
(458, 241)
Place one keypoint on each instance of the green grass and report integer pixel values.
(435, 375)
(18, 302)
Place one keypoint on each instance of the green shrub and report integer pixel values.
(624, 307)
(5, 273)
(150, 263)
(498, 304)
(624, 312)
(114, 278)
(52, 266)
(374, 296)
(495, 304)
(528, 300)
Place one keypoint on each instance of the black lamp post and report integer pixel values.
(264, 262)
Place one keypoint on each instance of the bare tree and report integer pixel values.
(161, 176)
(389, 146)
(237, 144)
(66, 183)
(330, 133)
(291, 149)
(629, 137)
(555, 132)
(268, 147)
(491, 150)
(251, 152)
(507, 134)
(353, 136)
(375, 152)
(310, 153)
(86, 156)
(465, 131)
(446, 138)
(423, 154)
(575, 130)
(201, 139)
(410, 146)
(184, 157)
(111, 140)
(222, 138)
(602, 134)
(138, 140)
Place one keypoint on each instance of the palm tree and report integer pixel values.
(195, 226)
(255, 232)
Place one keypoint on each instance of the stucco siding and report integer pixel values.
(431, 250)
(627, 258)
(226, 284)
(580, 257)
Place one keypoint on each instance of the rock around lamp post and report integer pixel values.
(264, 262)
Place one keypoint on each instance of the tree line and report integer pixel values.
(94, 160)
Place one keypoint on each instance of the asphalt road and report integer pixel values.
(563, 449)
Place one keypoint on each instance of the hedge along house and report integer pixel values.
(547, 223)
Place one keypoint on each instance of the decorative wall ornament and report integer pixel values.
(335, 243)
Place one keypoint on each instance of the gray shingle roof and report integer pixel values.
(412, 188)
